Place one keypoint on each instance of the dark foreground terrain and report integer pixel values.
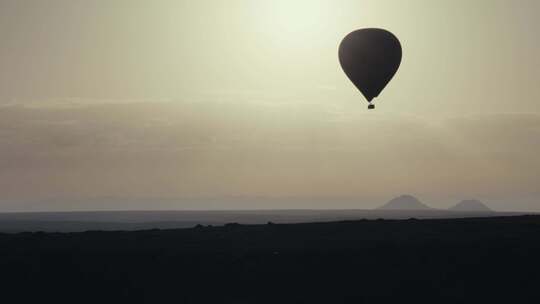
(402, 261)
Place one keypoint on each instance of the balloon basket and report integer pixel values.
(371, 107)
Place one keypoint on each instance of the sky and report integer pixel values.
(215, 104)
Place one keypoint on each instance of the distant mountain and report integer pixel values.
(471, 206)
(405, 202)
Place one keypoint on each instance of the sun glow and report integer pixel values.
(292, 22)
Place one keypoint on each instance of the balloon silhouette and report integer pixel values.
(370, 58)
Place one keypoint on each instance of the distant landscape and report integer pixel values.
(402, 207)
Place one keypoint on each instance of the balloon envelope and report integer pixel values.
(370, 58)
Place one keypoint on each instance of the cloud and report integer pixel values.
(247, 148)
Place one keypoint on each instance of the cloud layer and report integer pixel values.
(213, 149)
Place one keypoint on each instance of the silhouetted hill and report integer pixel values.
(470, 206)
(144, 220)
(404, 202)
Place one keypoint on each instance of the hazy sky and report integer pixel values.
(139, 100)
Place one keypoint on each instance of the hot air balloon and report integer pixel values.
(370, 58)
